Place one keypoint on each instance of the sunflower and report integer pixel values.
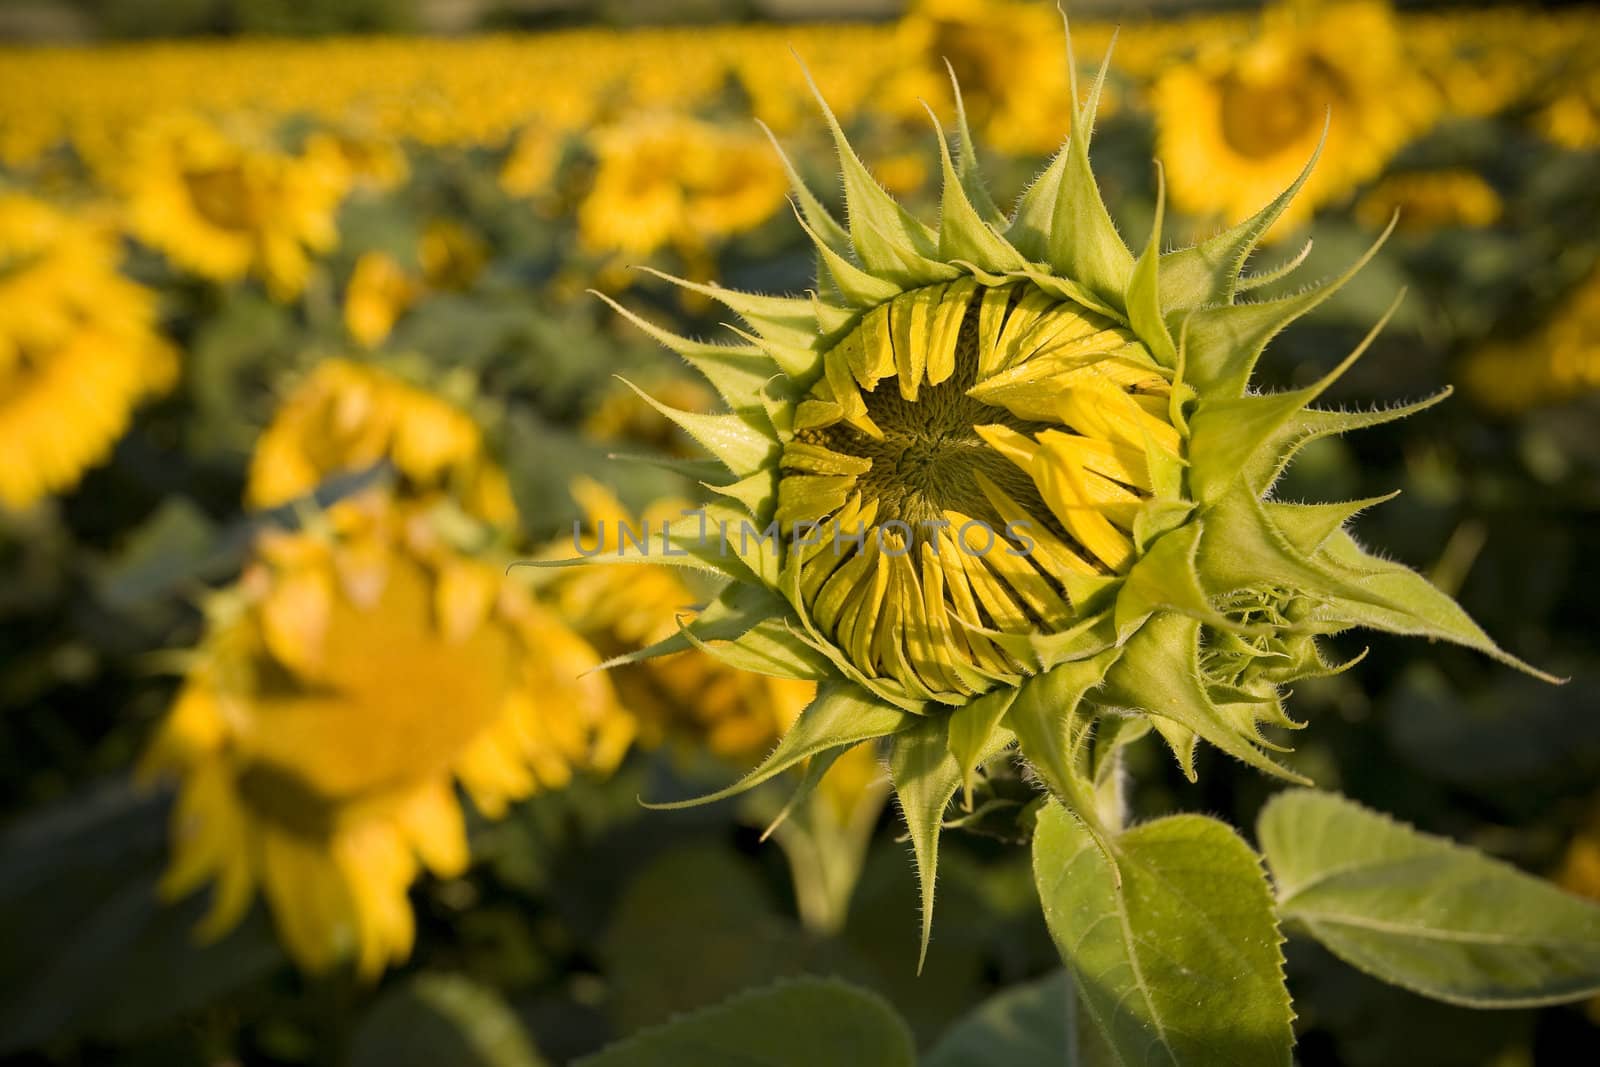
(451, 256)
(353, 675)
(225, 203)
(1237, 124)
(346, 416)
(370, 162)
(670, 180)
(620, 610)
(1430, 200)
(1004, 483)
(379, 292)
(1571, 118)
(78, 349)
(1558, 362)
(1008, 59)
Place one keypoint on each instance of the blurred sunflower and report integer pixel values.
(345, 417)
(1571, 118)
(352, 675)
(1008, 58)
(1431, 200)
(1579, 873)
(226, 204)
(78, 349)
(1558, 362)
(451, 255)
(369, 161)
(379, 292)
(665, 179)
(1236, 125)
(622, 608)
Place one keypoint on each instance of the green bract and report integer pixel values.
(1087, 407)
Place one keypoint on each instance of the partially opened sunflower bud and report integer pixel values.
(1004, 481)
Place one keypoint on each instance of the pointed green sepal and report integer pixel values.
(1224, 343)
(742, 442)
(1143, 297)
(737, 373)
(1159, 674)
(963, 232)
(925, 777)
(841, 714)
(1054, 725)
(1082, 242)
(1208, 273)
(971, 733)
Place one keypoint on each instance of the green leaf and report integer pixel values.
(442, 1018)
(1390, 596)
(1425, 913)
(167, 550)
(90, 949)
(1026, 1024)
(800, 1023)
(1181, 966)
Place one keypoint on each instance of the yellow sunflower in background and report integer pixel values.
(451, 255)
(379, 292)
(1430, 200)
(346, 416)
(78, 349)
(1237, 124)
(226, 204)
(622, 608)
(1008, 58)
(370, 162)
(1571, 118)
(350, 678)
(670, 180)
(1558, 362)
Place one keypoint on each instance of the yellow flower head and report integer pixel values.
(1007, 57)
(451, 255)
(379, 292)
(368, 161)
(1005, 481)
(1558, 362)
(666, 179)
(345, 417)
(225, 206)
(78, 349)
(1571, 118)
(1236, 125)
(621, 609)
(342, 688)
(1431, 200)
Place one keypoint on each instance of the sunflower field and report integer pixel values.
(425, 458)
